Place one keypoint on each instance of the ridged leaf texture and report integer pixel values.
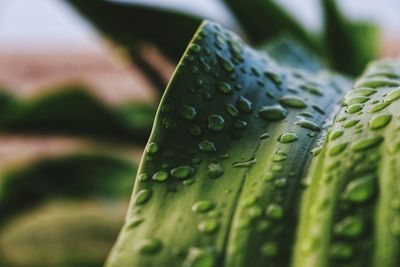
(221, 178)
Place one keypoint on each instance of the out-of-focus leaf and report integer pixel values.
(62, 234)
(36, 169)
(129, 24)
(264, 20)
(350, 45)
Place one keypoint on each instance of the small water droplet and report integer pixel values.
(287, 138)
(269, 249)
(350, 123)
(226, 64)
(142, 196)
(341, 251)
(152, 148)
(160, 176)
(188, 112)
(199, 257)
(215, 170)
(245, 164)
(216, 123)
(232, 110)
(392, 95)
(224, 87)
(240, 124)
(275, 211)
(207, 146)
(143, 177)
(337, 149)
(335, 135)
(354, 108)
(351, 226)
(148, 246)
(195, 130)
(244, 105)
(265, 135)
(208, 226)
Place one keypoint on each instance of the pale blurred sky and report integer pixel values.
(37, 21)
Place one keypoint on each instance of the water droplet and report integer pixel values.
(195, 48)
(341, 251)
(203, 206)
(265, 135)
(293, 102)
(215, 170)
(232, 110)
(316, 151)
(152, 148)
(337, 149)
(143, 177)
(392, 95)
(349, 227)
(354, 108)
(148, 246)
(274, 77)
(279, 156)
(208, 226)
(188, 112)
(274, 211)
(198, 257)
(273, 113)
(335, 135)
(367, 143)
(182, 172)
(224, 87)
(255, 212)
(360, 189)
(379, 121)
(287, 138)
(169, 123)
(269, 249)
(216, 123)
(245, 164)
(142, 196)
(379, 107)
(240, 124)
(160, 176)
(226, 64)
(318, 109)
(244, 105)
(308, 125)
(207, 146)
(195, 130)
(350, 123)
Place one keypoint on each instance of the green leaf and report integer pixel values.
(244, 151)
(351, 45)
(264, 20)
(130, 24)
(349, 213)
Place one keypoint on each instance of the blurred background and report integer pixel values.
(80, 81)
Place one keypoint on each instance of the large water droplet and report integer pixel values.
(207, 146)
(160, 176)
(208, 226)
(152, 148)
(360, 189)
(379, 121)
(148, 246)
(216, 123)
(293, 101)
(275, 211)
(182, 172)
(367, 143)
(142, 196)
(287, 138)
(244, 105)
(349, 227)
(188, 112)
(215, 170)
(203, 206)
(273, 113)
(308, 125)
